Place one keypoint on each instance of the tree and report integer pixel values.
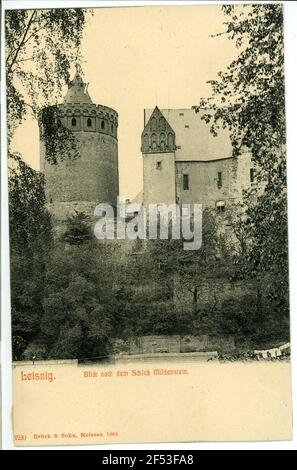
(30, 243)
(41, 46)
(248, 98)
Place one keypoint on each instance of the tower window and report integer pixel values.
(220, 179)
(111, 128)
(252, 175)
(185, 182)
(73, 122)
(220, 206)
(159, 165)
(102, 125)
(89, 122)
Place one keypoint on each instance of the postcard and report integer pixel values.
(148, 231)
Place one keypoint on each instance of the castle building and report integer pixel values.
(92, 178)
(184, 163)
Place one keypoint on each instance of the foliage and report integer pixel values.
(59, 141)
(76, 322)
(30, 242)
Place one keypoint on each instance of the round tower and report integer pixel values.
(92, 178)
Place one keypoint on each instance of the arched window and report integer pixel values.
(89, 122)
(145, 142)
(111, 128)
(170, 140)
(162, 141)
(73, 122)
(153, 124)
(102, 124)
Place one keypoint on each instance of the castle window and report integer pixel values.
(111, 128)
(220, 179)
(89, 122)
(252, 175)
(185, 182)
(102, 125)
(73, 122)
(181, 114)
(220, 206)
(159, 165)
(187, 126)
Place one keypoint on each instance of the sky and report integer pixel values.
(140, 57)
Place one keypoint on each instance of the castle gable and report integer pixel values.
(157, 136)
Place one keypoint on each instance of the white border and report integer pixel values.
(291, 105)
